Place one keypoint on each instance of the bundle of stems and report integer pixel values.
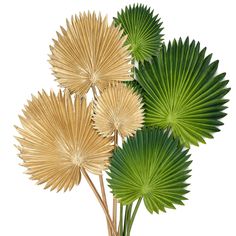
(127, 214)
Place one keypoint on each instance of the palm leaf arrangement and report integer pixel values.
(151, 102)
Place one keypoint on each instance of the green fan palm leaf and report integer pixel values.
(153, 166)
(183, 92)
(143, 31)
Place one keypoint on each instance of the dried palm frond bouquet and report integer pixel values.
(151, 102)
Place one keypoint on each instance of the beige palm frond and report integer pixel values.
(90, 53)
(58, 139)
(118, 108)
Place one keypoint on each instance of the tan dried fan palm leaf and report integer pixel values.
(58, 139)
(118, 108)
(90, 52)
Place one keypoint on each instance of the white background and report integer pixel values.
(27, 28)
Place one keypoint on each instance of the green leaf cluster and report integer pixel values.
(184, 101)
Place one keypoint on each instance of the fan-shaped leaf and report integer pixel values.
(57, 139)
(143, 30)
(183, 92)
(118, 108)
(153, 166)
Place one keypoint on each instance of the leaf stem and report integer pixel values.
(133, 216)
(104, 198)
(125, 221)
(121, 220)
(95, 95)
(114, 199)
(115, 212)
(92, 186)
(128, 210)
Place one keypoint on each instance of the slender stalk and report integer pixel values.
(133, 216)
(92, 186)
(128, 210)
(95, 95)
(115, 200)
(121, 220)
(128, 219)
(121, 223)
(125, 220)
(115, 213)
(104, 198)
(116, 138)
